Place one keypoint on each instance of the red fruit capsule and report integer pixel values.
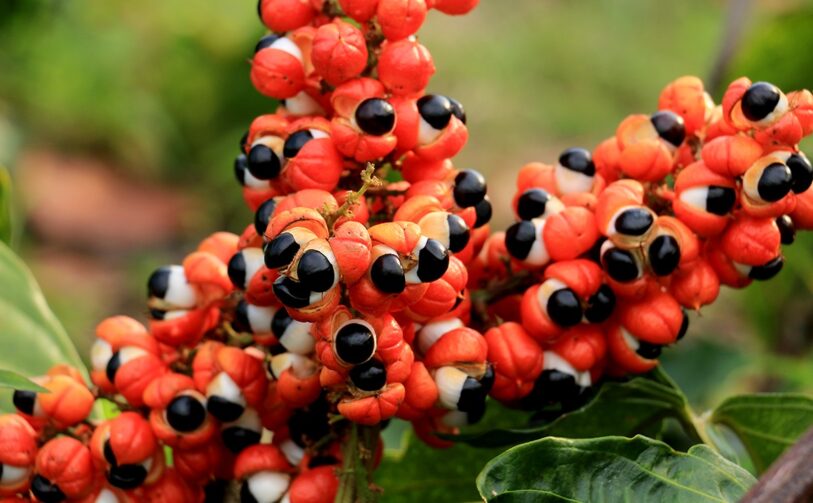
(421, 393)
(339, 52)
(359, 10)
(67, 402)
(517, 361)
(128, 450)
(400, 18)
(316, 485)
(695, 284)
(703, 199)
(286, 15)
(277, 70)
(265, 473)
(18, 451)
(731, 156)
(64, 469)
(687, 97)
(178, 412)
(405, 67)
(170, 488)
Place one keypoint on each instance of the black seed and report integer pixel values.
(369, 376)
(487, 380)
(310, 424)
(594, 253)
(767, 271)
(355, 343)
(760, 100)
(157, 314)
(634, 222)
(109, 455)
(578, 160)
(185, 413)
(263, 163)
(774, 182)
(469, 188)
(126, 476)
(720, 200)
(240, 168)
(648, 350)
(387, 274)
(113, 367)
(483, 212)
(215, 491)
(564, 308)
(375, 116)
(281, 250)
(471, 396)
(158, 284)
(458, 110)
(237, 270)
(46, 491)
(436, 110)
(280, 322)
(241, 322)
(801, 172)
(620, 265)
(433, 261)
(786, 229)
(276, 349)
(295, 142)
(669, 126)
(532, 204)
(555, 386)
(236, 439)
(476, 413)
(322, 460)
(519, 238)
(24, 401)
(223, 409)
(315, 271)
(263, 216)
(291, 293)
(684, 325)
(664, 255)
(266, 42)
(243, 142)
(245, 494)
(601, 305)
(458, 232)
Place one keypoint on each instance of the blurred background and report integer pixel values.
(119, 122)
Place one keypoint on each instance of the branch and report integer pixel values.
(789, 479)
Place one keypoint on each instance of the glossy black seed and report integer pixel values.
(801, 172)
(355, 343)
(223, 409)
(564, 308)
(281, 250)
(720, 200)
(315, 271)
(241, 322)
(237, 270)
(786, 229)
(433, 261)
(274, 350)
(45, 491)
(243, 142)
(109, 455)
(620, 265)
(532, 204)
(215, 491)
(555, 386)
(458, 110)
(263, 163)
(240, 168)
(291, 293)
(469, 188)
(578, 160)
(309, 425)
(323, 460)
(436, 110)
(476, 413)
(113, 366)
(263, 216)
(648, 350)
(519, 238)
(483, 212)
(601, 305)
(387, 274)
(280, 322)
(24, 401)
(684, 326)
(266, 42)
(295, 142)
(472, 395)
(185, 413)
(774, 183)
(369, 376)
(634, 222)
(158, 283)
(375, 116)
(767, 271)
(664, 255)
(458, 233)
(487, 380)
(669, 126)
(760, 100)
(245, 494)
(236, 439)
(594, 253)
(126, 476)
(157, 314)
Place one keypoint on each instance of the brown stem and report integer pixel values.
(789, 479)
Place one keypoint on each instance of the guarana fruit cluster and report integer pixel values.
(369, 286)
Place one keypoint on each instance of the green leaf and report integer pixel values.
(766, 424)
(6, 227)
(32, 338)
(13, 380)
(626, 409)
(611, 469)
